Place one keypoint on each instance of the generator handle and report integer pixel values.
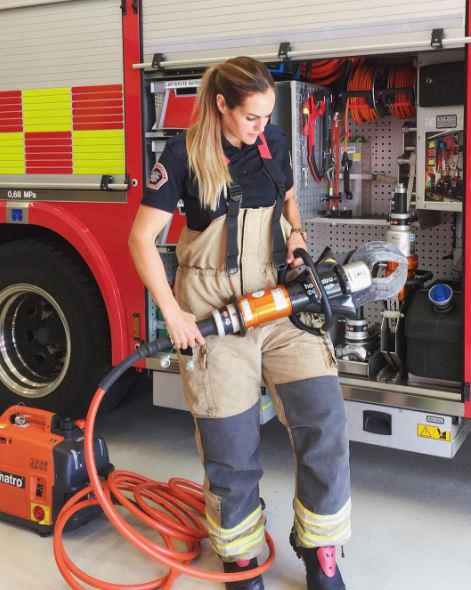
(36, 416)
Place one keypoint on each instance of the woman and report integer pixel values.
(232, 170)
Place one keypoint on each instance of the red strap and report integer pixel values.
(263, 148)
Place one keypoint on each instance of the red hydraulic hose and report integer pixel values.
(403, 76)
(182, 501)
(361, 79)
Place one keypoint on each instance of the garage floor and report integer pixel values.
(411, 513)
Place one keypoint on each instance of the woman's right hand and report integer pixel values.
(182, 329)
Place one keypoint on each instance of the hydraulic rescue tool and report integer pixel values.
(325, 287)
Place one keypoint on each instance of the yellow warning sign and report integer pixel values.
(433, 432)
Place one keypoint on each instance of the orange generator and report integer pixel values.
(42, 464)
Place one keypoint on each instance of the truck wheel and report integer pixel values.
(54, 335)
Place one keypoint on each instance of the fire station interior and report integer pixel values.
(377, 146)
(377, 154)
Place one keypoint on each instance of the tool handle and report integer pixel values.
(36, 416)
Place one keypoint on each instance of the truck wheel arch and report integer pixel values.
(54, 221)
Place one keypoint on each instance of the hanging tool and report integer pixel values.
(346, 165)
(312, 110)
(333, 196)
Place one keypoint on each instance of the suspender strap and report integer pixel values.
(278, 240)
(233, 207)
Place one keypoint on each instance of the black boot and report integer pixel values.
(250, 584)
(322, 572)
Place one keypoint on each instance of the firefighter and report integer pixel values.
(232, 170)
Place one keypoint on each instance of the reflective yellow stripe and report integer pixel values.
(240, 545)
(111, 149)
(312, 539)
(11, 157)
(244, 525)
(319, 519)
(44, 92)
(240, 551)
(322, 529)
(101, 136)
(12, 168)
(103, 169)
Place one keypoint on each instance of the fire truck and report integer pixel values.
(374, 101)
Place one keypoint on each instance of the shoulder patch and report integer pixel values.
(158, 177)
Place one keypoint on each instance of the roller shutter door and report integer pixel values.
(206, 29)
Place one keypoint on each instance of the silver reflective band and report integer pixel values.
(234, 318)
(218, 321)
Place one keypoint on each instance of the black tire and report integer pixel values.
(54, 334)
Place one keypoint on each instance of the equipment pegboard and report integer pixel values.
(309, 190)
(288, 116)
(386, 142)
(433, 246)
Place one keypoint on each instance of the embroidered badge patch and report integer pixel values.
(158, 177)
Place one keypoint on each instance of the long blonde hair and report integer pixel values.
(235, 79)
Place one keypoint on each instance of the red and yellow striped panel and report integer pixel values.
(12, 153)
(78, 130)
(97, 107)
(11, 112)
(49, 153)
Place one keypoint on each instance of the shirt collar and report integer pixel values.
(231, 150)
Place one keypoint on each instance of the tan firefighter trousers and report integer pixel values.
(223, 393)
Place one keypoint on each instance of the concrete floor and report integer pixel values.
(411, 513)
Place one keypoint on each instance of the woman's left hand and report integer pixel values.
(295, 241)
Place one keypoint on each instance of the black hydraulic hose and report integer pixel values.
(207, 327)
(420, 278)
(326, 306)
(325, 302)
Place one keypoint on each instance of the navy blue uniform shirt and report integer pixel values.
(170, 180)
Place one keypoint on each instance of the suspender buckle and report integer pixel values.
(235, 192)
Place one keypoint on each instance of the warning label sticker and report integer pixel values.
(279, 299)
(433, 432)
